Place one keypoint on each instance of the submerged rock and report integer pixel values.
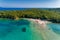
(24, 29)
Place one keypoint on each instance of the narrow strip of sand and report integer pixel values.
(40, 22)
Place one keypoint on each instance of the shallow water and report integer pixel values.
(54, 27)
(27, 30)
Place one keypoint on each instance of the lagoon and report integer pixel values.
(27, 30)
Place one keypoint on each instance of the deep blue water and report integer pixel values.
(1, 8)
(13, 8)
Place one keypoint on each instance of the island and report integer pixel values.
(48, 14)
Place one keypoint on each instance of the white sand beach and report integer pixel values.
(39, 21)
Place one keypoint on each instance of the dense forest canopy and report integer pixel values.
(50, 15)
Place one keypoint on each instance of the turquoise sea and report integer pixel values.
(27, 30)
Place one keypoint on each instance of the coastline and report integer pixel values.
(41, 23)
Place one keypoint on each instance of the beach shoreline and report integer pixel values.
(41, 23)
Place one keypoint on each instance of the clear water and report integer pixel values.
(54, 27)
(27, 30)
